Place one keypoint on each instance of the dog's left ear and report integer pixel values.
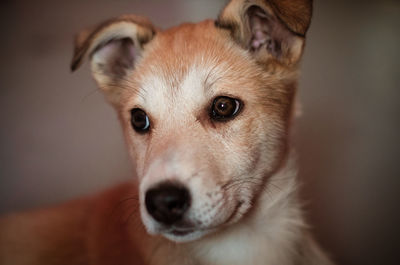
(269, 29)
(113, 48)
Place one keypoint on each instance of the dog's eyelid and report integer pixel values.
(237, 106)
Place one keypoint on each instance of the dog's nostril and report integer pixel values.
(167, 202)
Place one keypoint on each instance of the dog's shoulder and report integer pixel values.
(72, 233)
(46, 235)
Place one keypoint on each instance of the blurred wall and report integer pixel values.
(59, 140)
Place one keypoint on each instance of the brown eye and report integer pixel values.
(139, 120)
(224, 108)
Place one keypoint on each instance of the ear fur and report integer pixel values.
(269, 29)
(113, 47)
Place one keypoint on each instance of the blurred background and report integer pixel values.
(60, 140)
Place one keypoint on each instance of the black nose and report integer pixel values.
(167, 202)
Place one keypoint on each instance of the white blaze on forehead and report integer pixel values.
(167, 99)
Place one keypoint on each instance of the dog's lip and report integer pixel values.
(234, 212)
(181, 232)
(181, 229)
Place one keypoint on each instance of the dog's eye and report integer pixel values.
(139, 120)
(224, 108)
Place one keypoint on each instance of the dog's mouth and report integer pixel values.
(181, 232)
(181, 229)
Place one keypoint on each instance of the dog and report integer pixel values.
(206, 111)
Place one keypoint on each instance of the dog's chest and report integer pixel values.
(236, 250)
(248, 246)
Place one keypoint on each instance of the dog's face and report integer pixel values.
(205, 109)
(206, 121)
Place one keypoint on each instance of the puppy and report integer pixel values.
(206, 110)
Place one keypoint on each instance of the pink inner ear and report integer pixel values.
(116, 56)
(117, 50)
(259, 29)
(108, 50)
(259, 38)
(131, 51)
(268, 33)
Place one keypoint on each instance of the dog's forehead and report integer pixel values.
(161, 94)
(181, 69)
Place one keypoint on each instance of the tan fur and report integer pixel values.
(241, 173)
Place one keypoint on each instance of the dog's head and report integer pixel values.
(205, 107)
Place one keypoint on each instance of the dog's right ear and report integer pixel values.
(113, 47)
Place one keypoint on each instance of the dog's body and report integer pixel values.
(223, 191)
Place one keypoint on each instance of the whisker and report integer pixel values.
(114, 218)
(130, 215)
(89, 94)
